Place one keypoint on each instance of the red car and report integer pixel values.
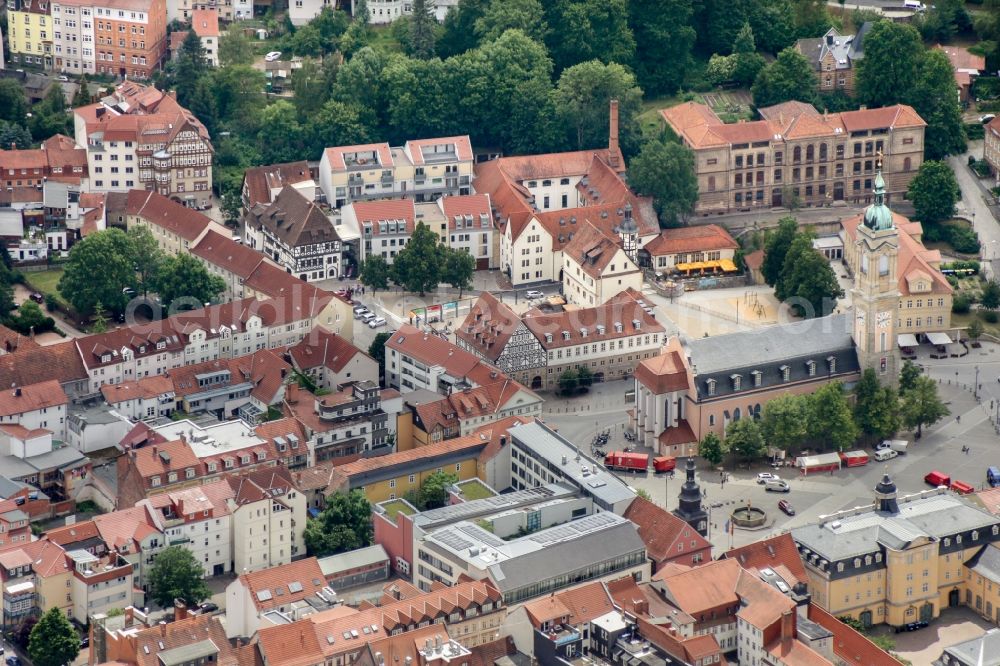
(785, 506)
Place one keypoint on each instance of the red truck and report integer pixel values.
(663, 464)
(630, 462)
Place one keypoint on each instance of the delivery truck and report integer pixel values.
(630, 462)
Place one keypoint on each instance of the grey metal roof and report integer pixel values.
(982, 651)
(845, 48)
(56, 458)
(188, 653)
(768, 350)
(566, 557)
(987, 563)
(572, 464)
(16, 467)
(9, 487)
(361, 557)
(489, 505)
(934, 517)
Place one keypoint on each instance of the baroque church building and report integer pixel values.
(694, 387)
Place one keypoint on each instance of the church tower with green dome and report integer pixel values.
(876, 288)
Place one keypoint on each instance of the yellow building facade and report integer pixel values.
(901, 561)
(399, 485)
(29, 33)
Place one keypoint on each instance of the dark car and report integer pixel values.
(85, 642)
(911, 626)
(38, 298)
(785, 506)
(208, 607)
(13, 660)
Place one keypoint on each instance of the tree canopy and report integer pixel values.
(776, 247)
(807, 283)
(891, 65)
(53, 640)
(176, 574)
(417, 267)
(790, 77)
(830, 417)
(934, 192)
(712, 449)
(99, 268)
(344, 524)
(745, 439)
(183, 283)
(785, 421)
(876, 407)
(664, 170)
(921, 404)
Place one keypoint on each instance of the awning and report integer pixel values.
(906, 340)
(727, 265)
(939, 339)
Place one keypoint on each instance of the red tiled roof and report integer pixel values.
(472, 444)
(488, 326)
(431, 349)
(664, 534)
(792, 651)
(474, 205)
(23, 399)
(387, 210)
(190, 630)
(205, 22)
(665, 373)
(166, 213)
(962, 58)
(461, 144)
(263, 585)
(20, 432)
(227, 254)
(593, 250)
(335, 156)
(75, 533)
(11, 340)
(60, 362)
(848, 644)
(771, 553)
(621, 309)
(704, 588)
(263, 369)
(259, 181)
(547, 609)
(762, 604)
(677, 435)
(685, 240)
(323, 348)
(159, 459)
(146, 388)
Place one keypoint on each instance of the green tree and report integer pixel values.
(457, 269)
(568, 381)
(12, 134)
(908, 376)
(711, 448)
(344, 524)
(307, 41)
(935, 100)
(375, 273)
(176, 574)
(203, 104)
(191, 65)
(100, 321)
(423, 27)
(665, 171)
(889, 70)
(336, 124)
(53, 640)
(50, 116)
(934, 192)
(238, 96)
(745, 439)
(13, 102)
(183, 283)
(146, 256)
(582, 96)
(811, 17)
(830, 417)
(584, 377)
(377, 350)
(987, 23)
(876, 407)
(418, 266)
(361, 15)
(663, 34)
(589, 30)
(784, 421)
(523, 15)
(6, 300)
(235, 48)
(332, 24)
(989, 299)
(773, 24)
(975, 330)
(99, 268)
(808, 283)
(434, 490)
(922, 406)
(718, 22)
(459, 33)
(280, 137)
(747, 63)
(776, 247)
(30, 319)
(790, 77)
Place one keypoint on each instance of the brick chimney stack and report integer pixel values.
(788, 625)
(614, 153)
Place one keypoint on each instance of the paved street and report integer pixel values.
(975, 205)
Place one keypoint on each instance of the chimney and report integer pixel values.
(292, 394)
(788, 625)
(614, 153)
(180, 610)
(163, 629)
(129, 615)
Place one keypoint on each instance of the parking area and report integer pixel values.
(925, 645)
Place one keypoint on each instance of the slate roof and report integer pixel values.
(987, 563)
(768, 349)
(259, 181)
(980, 651)
(293, 219)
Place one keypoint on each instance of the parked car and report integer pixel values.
(884, 444)
(377, 322)
(367, 317)
(764, 477)
(937, 478)
(911, 626)
(360, 314)
(13, 660)
(987, 117)
(786, 507)
(961, 487)
(533, 293)
(38, 298)
(84, 641)
(208, 607)
(777, 486)
(272, 56)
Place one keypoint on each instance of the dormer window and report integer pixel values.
(757, 378)
(565, 335)
(548, 337)
(189, 473)
(154, 481)
(583, 332)
(161, 345)
(600, 330)
(105, 358)
(711, 386)
(785, 373)
(831, 363)
(857, 562)
(636, 324)
(618, 327)
(737, 380)
(811, 368)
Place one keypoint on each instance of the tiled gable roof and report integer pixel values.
(774, 552)
(323, 348)
(166, 213)
(60, 362)
(488, 326)
(271, 587)
(145, 388)
(259, 181)
(23, 399)
(685, 240)
(189, 631)
(159, 459)
(665, 373)
(662, 531)
(293, 219)
(566, 328)
(227, 254)
(592, 249)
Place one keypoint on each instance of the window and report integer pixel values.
(785, 373)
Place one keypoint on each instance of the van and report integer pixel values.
(885, 454)
(937, 478)
(899, 445)
(913, 4)
(993, 477)
(777, 486)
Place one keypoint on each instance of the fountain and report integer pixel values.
(748, 516)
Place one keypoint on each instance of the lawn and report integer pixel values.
(45, 282)
(396, 507)
(474, 489)
(383, 40)
(963, 320)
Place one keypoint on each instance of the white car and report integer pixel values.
(533, 294)
(376, 322)
(986, 117)
(368, 316)
(764, 477)
(360, 313)
(272, 56)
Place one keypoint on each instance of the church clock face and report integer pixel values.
(883, 319)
